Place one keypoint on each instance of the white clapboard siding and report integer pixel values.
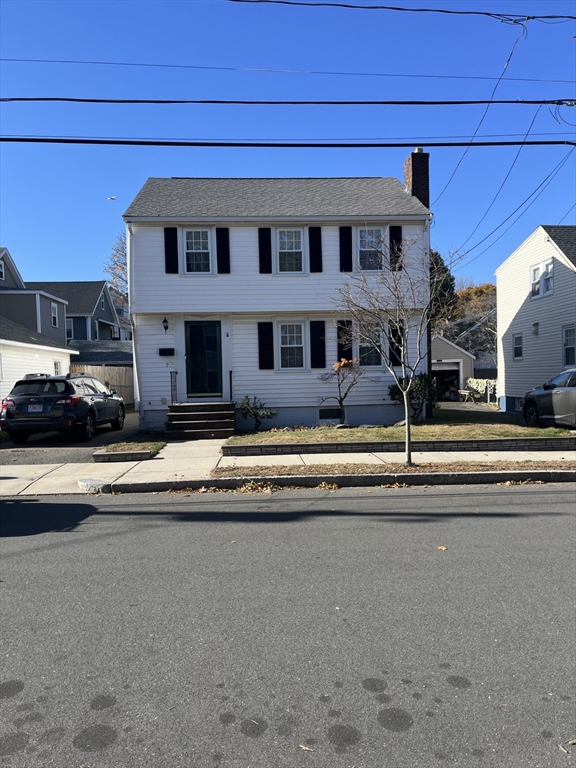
(17, 361)
(517, 312)
(244, 289)
(152, 370)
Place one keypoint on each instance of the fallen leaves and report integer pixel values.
(442, 548)
(306, 749)
(257, 487)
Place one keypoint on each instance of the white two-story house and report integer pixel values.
(233, 281)
(536, 309)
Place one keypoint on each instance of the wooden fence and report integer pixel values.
(118, 377)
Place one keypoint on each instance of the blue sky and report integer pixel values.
(55, 217)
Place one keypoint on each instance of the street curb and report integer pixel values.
(352, 481)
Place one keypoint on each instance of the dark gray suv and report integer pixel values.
(553, 402)
(42, 403)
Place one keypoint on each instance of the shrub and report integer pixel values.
(256, 409)
(423, 390)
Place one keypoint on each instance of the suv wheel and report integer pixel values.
(118, 422)
(89, 427)
(19, 437)
(531, 415)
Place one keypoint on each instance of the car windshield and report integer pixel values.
(560, 381)
(40, 387)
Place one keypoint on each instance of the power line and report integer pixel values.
(567, 213)
(272, 144)
(538, 191)
(298, 102)
(508, 60)
(281, 71)
(513, 18)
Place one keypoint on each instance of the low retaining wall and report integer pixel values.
(397, 446)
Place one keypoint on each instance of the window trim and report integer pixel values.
(54, 314)
(385, 262)
(71, 328)
(276, 252)
(357, 347)
(2, 270)
(211, 252)
(543, 273)
(514, 346)
(102, 302)
(305, 323)
(566, 364)
(57, 367)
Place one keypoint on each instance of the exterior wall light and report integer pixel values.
(165, 325)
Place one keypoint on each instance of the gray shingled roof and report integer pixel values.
(565, 238)
(12, 331)
(81, 296)
(314, 198)
(103, 352)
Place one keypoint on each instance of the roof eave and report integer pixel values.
(287, 217)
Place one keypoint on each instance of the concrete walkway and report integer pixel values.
(188, 464)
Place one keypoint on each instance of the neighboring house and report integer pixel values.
(23, 351)
(103, 352)
(233, 285)
(536, 302)
(90, 314)
(477, 336)
(32, 306)
(451, 366)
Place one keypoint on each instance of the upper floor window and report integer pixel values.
(517, 346)
(569, 345)
(197, 251)
(370, 248)
(54, 313)
(2, 275)
(542, 278)
(290, 250)
(69, 328)
(102, 303)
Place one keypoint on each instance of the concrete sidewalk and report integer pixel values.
(188, 464)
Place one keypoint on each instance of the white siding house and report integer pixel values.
(232, 287)
(536, 303)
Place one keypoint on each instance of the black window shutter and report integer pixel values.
(223, 250)
(171, 250)
(317, 344)
(315, 243)
(265, 250)
(266, 346)
(344, 340)
(345, 249)
(395, 333)
(395, 248)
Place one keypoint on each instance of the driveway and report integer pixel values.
(63, 448)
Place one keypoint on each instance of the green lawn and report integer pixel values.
(445, 424)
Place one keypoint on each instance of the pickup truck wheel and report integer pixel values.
(532, 415)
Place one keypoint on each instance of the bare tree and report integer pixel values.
(116, 267)
(346, 374)
(391, 300)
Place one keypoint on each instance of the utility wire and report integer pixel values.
(503, 182)
(298, 102)
(272, 144)
(536, 192)
(567, 214)
(281, 71)
(459, 163)
(513, 18)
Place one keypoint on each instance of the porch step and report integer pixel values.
(201, 421)
(200, 434)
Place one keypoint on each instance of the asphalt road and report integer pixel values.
(304, 628)
(64, 447)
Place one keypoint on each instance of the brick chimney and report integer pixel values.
(416, 176)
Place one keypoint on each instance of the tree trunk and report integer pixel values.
(408, 445)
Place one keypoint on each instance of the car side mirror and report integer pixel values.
(547, 386)
(113, 392)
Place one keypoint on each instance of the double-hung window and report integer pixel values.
(54, 314)
(368, 345)
(517, 346)
(197, 251)
(291, 345)
(370, 249)
(69, 329)
(542, 279)
(569, 345)
(290, 250)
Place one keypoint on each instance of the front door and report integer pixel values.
(203, 358)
